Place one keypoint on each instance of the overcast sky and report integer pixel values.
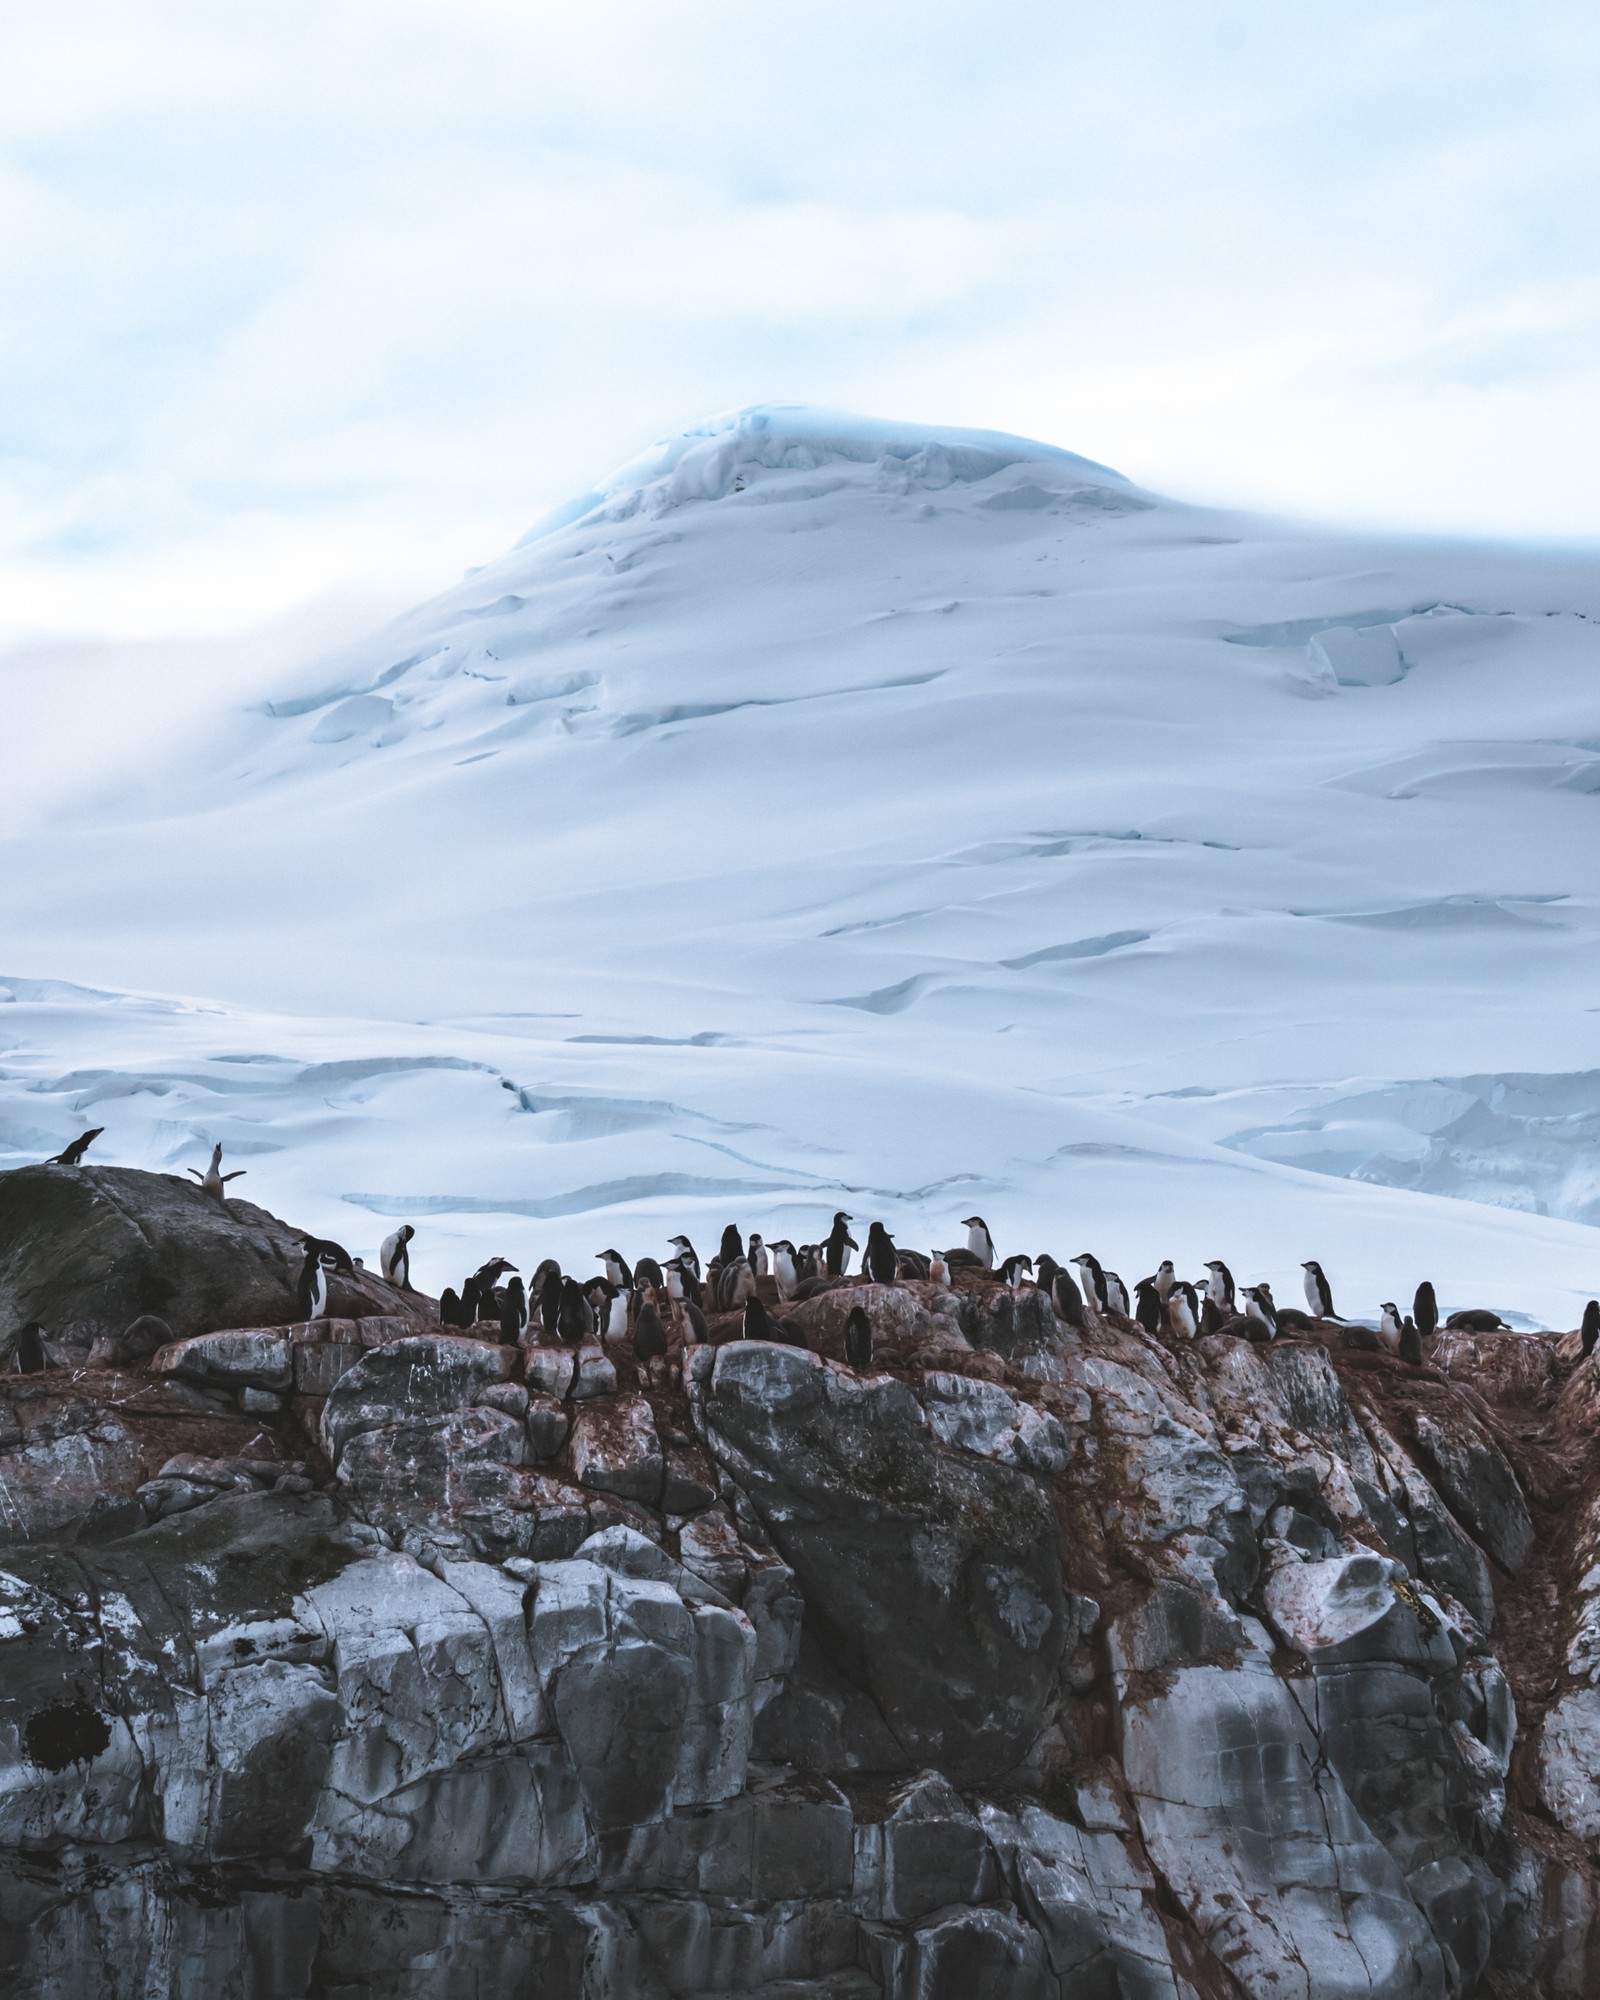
(297, 297)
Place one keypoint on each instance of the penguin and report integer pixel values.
(1117, 1295)
(1165, 1278)
(808, 1262)
(736, 1282)
(683, 1248)
(1362, 1337)
(394, 1256)
(1093, 1278)
(878, 1259)
(312, 1288)
(1045, 1268)
(784, 1274)
(489, 1276)
(647, 1273)
(858, 1339)
(69, 1156)
(1219, 1287)
(938, 1268)
(1590, 1329)
(1183, 1309)
(760, 1325)
(1410, 1343)
(979, 1242)
(1425, 1310)
(1147, 1305)
(1476, 1319)
(1389, 1328)
(836, 1250)
(732, 1244)
(616, 1315)
(574, 1316)
(1213, 1318)
(1258, 1306)
(1012, 1269)
(1292, 1320)
(695, 1331)
(28, 1355)
(616, 1269)
(1068, 1300)
(1319, 1293)
(450, 1310)
(756, 1256)
(551, 1293)
(683, 1283)
(471, 1303)
(214, 1181)
(513, 1312)
(912, 1264)
(649, 1335)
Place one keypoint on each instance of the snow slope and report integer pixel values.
(825, 812)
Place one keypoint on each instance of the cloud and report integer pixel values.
(344, 285)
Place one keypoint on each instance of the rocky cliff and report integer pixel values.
(361, 1658)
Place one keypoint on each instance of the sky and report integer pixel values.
(315, 305)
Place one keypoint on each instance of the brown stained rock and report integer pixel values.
(424, 1375)
(614, 1449)
(257, 1357)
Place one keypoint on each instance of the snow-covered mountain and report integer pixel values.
(826, 813)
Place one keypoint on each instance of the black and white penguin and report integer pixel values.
(695, 1331)
(472, 1302)
(736, 1282)
(489, 1276)
(1164, 1280)
(683, 1248)
(28, 1356)
(836, 1250)
(513, 1312)
(731, 1246)
(683, 1281)
(760, 1325)
(1067, 1300)
(1258, 1306)
(939, 1267)
(1117, 1295)
(616, 1269)
(858, 1339)
(1183, 1309)
(394, 1256)
(1389, 1327)
(311, 1289)
(1093, 1279)
(808, 1262)
(913, 1265)
(878, 1259)
(1147, 1305)
(1013, 1268)
(784, 1273)
(214, 1181)
(980, 1243)
(1476, 1319)
(1425, 1311)
(1319, 1293)
(1590, 1329)
(649, 1335)
(451, 1312)
(1219, 1286)
(550, 1286)
(575, 1316)
(69, 1156)
(1410, 1343)
(756, 1256)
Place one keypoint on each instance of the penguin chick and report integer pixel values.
(1425, 1310)
(760, 1325)
(1590, 1330)
(1476, 1319)
(1410, 1343)
(649, 1335)
(394, 1256)
(69, 1156)
(450, 1312)
(214, 1181)
(731, 1246)
(549, 1283)
(1319, 1293)
(574, 1316)
(878, 1259)
(858, 1339)
(695, 1331)
(912, 1264)
(1068, 1300)
(980, 1243)
(836, 1250)
(736, 1282)
(939, 1268)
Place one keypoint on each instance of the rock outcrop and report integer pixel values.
(1030, 1663)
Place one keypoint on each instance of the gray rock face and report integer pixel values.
(933, 1575)
(87, 1250)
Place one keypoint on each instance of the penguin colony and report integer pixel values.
(651, 1301)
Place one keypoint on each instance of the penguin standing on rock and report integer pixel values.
(1165, 1278)
(836, 1250)
(1319, 1293)
(1219, 1286)
(912, 1264)
(214, 1181)
(1590, 1330)
(1389, 1328)
(980, 1243)
(1067, 1300)
(1147, 1305)
(785, 1274)
(1093, 1278)
(732, 1245)
(451, 1310)
(312, 1288)
(1012, 1269)
(1410, 1343)
(1425, 1310)
(760, 1325)
(28, 1356)
(858, 1339)
(878, 1259)
(649, 1335)
(513, 1312)
(394, 1256)
(69, 1156)
(756, 1256)
(616, 1269)
(1258, 1307)
(1183, 1310)
(574, 1316)
(736, 1282)
(686, 1250)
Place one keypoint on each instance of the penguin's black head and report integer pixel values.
(973, 1222)
(406, 1232)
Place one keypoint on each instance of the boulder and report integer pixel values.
(933, 1577)
(87, 1250)
(424, 1375)
(614, 1449)
(255, 1357)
